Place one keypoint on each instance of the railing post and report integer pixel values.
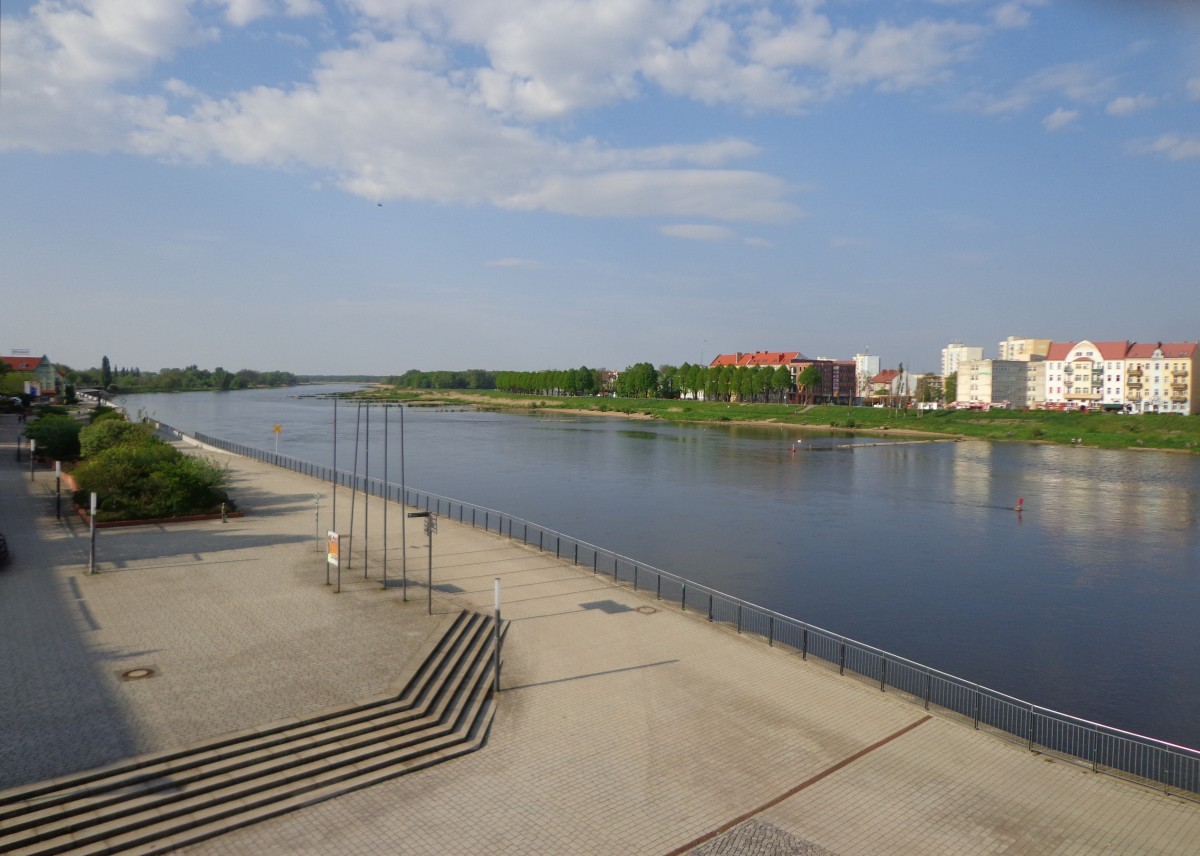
(1095, 747)
(739, 618)
(595, 561)
(486, 522)
(683, 597)
(710, 606)
(842, 658)
(525, 533)
(804, 644)
(770, 631)
(928, 687)
(635, 581)
(576, 553)
(1032, 726)
(977, 702)
(472, 517)
(557, 545)
(883, 674)
(658, 588)
(541, 536)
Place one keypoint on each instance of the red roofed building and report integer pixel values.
(837, 385)
(1137, 378)
(48, 379)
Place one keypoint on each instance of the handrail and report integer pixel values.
(1170, 767)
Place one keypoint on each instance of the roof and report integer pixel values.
(1123, 350)
(1171, 350)
(886, 376)
(758, 358)
(23, 362)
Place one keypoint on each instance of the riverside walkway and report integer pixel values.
(623, 726)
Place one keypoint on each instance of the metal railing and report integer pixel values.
(1155, 763)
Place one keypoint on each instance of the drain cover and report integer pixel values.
(137, 674)
(647, 610)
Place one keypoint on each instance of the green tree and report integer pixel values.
(781, 382)
(106, 433)
(106, 375)
(57, 436)
(951, 387)
(808, 380)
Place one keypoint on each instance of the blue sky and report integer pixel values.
(372, 186)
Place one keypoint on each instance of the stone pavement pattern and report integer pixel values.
(624, 726)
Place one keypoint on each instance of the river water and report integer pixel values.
(1086, 602)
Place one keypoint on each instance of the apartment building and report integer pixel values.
(1021, 348)
(983, 384)
(1162, 378)
(956, 353)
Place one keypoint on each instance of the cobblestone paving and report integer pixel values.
(758, 838)
(618, 730)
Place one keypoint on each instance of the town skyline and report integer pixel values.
(366, 186)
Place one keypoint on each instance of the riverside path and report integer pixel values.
(623, 725)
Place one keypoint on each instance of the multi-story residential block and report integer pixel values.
(1128, 376)
(1021, 348)
(957, 352)
(838, 383)
(866, 366)
(1162, 378)
(984, 384)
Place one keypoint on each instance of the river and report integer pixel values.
(1086, 602)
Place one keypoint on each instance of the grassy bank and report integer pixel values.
(1102, 430)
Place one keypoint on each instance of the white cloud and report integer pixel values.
(1060, 120)
(1011, 16)
(717, 194)
(697, 232)
(761, 243)
(1127, 105)
(1174, 146)
(1080, 83)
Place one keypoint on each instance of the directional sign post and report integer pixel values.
(278, 430)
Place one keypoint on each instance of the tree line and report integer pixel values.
(640, 380)
(192, 377)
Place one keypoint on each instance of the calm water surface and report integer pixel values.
(1087, 602)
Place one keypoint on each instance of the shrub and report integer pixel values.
(57, 436)
(150, 479)
(103, 434)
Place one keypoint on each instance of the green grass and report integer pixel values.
(1102, 430)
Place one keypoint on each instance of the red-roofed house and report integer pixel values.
(837, 384)
(1162, 377)
(1122, 375)
(48, 379)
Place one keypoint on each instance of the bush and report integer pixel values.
(150, 479)
(103, 434)
(57, 437)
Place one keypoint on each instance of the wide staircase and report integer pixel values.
(157, 803)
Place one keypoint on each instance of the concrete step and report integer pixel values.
(447, 713)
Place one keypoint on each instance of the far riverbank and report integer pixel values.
(1162, 432)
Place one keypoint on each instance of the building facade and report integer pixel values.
(1020, 348)
(955, 353)
(985, 384)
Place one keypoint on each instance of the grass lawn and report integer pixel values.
(1102, 430)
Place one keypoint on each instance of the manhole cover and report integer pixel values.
(137, 674)
(647, 610)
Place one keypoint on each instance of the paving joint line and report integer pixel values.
(828, 771)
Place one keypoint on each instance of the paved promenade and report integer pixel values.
(624, 725)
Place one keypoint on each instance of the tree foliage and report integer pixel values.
(56, 435)
(137, 476)
(170, 379)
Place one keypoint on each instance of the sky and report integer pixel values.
(373, 186)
